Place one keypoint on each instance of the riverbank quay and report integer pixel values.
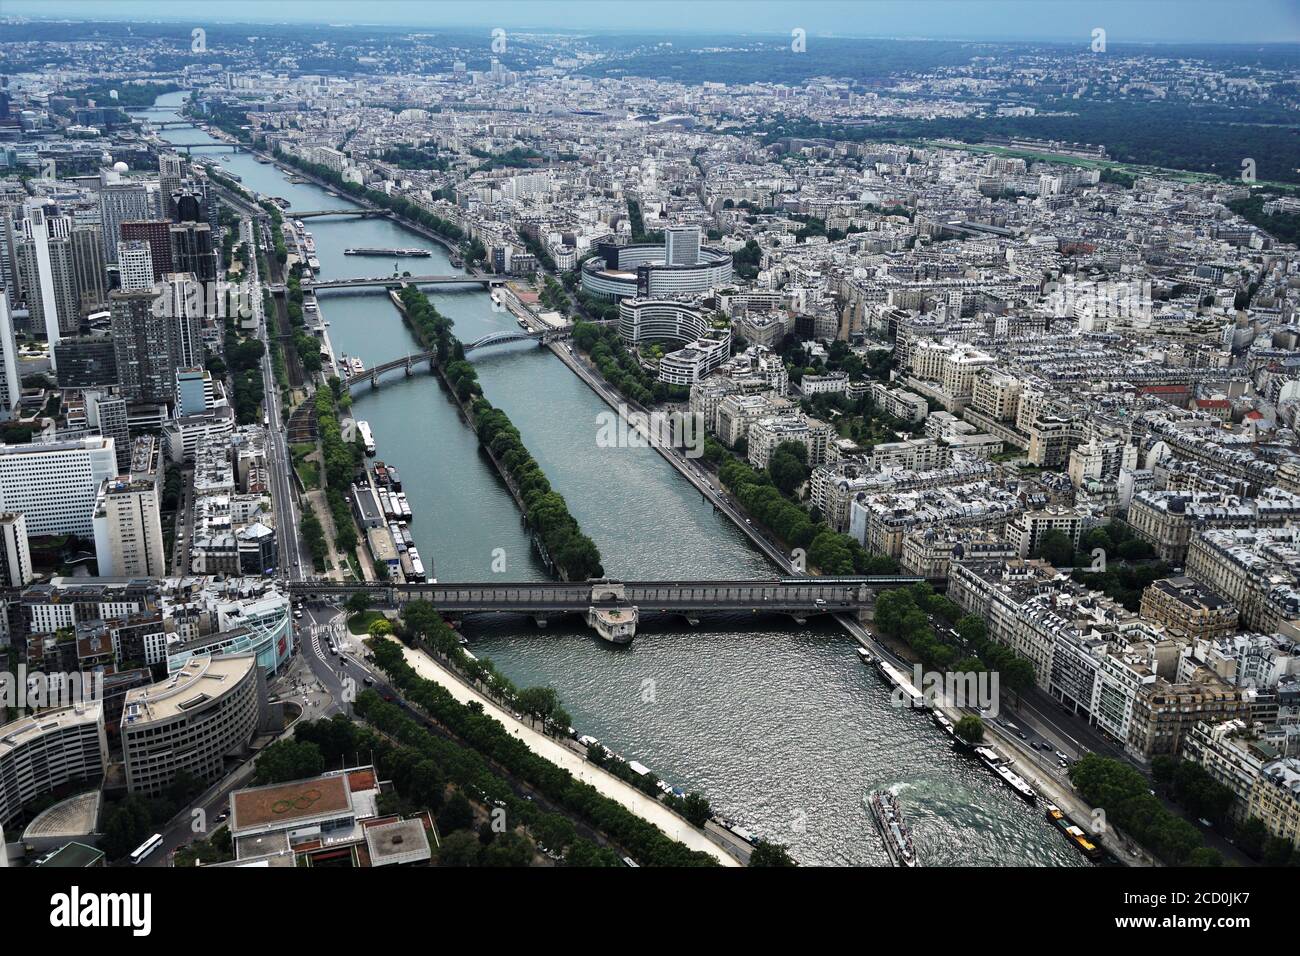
(1120, 847)
(644, 806)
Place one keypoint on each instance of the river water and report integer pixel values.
(778, 724)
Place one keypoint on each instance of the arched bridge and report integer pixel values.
(510, 335)
(798, 596)
(412, 363)
(398, 281)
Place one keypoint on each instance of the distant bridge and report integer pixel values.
(190, 147)
(397, 281)
(360, 213)
(410, 364)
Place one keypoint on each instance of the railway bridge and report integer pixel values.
(613, 607)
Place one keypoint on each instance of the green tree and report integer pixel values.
(770, 854)
(1056, 548)
(460, 848)
(970, 729)
(287, 760)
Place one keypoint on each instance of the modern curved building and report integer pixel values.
(191, 721)
(706, 344)
(679, 267)
(44, 751)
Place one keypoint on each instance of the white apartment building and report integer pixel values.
(40, 753)
(15, 555)
(128, 529)
(54, 484)
(135, 264)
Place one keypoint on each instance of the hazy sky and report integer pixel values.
(1215, 21)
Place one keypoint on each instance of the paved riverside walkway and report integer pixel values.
(647, 808)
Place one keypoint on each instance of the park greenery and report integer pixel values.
(243, 362)
(442, 775)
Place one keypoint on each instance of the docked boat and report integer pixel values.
(1016, 783)
(367, 437)
(394, 480)
(897, 680)
(385, 253)
(314, 263)
(403, 504)
(1073, 832)
(889, 820)
(864, 655)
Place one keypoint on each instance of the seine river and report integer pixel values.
(779, 725)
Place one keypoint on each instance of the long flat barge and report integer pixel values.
(365, 251)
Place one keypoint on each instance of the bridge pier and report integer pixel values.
(540, 620)
(408, 366)
(374, 379)
(615, 624)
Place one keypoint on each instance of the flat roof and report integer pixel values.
(403, 841)
(282, 805)
(203, 678)
(72, 856)
(24, 729)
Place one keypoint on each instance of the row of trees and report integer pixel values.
(422, 624)
(1204, 797)
(493, 741)
(1123, 793)
(904, 614)
(434, 772)
(341, 461)
(620, 367)
(574, 554)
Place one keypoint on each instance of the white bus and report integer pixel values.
(145, 848)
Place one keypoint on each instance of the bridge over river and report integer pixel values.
(411, 363)
(613, 607)
(398, 281)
